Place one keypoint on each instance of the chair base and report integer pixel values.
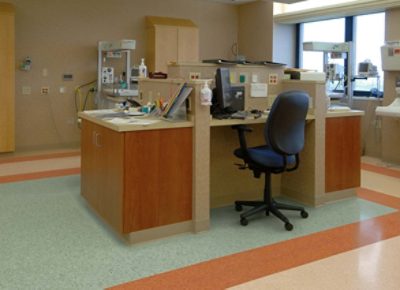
(269, 207)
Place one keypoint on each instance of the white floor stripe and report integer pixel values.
(39, 165)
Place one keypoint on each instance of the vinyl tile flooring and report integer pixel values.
(49, 239)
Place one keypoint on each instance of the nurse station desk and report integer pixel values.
(151, 180)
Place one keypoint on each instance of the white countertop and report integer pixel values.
(122, 123)
(231, 122)
(337, 114)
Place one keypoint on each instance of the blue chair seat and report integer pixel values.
(266, 157)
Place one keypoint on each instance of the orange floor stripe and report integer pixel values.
(39, 175)
(39, 157)
(381, 170)
(249, 265)
(377, 197)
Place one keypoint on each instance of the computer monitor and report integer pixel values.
(227, 98)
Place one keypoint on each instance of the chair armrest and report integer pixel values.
(296, 165)
(242, 129)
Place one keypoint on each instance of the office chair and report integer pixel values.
(284, 136)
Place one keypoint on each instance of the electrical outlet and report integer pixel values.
(44, 90)
(194, 75)
(26, 90)
(273, 79)
(70, 121)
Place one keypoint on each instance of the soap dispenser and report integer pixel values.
(205, 95)
(142, 69)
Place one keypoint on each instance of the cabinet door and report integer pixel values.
(188, 44)
(166, 46)
(158, 178)
(89, 164)
(342, 153)
(102, 171)
(7, 77)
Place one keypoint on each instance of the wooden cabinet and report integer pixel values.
(7, 77)
(137, 180)
(102, 171)
(342, 153)
(170, 40)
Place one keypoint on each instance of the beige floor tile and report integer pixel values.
(381, 183)
(371, 267)
(379, 162)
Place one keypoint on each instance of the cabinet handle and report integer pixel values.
(98, 140)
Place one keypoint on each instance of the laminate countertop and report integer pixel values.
(123, 122)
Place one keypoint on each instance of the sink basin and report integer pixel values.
(393, 110)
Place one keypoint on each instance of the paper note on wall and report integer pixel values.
(258, 90)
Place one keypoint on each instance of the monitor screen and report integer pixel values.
(364, 68)
(228, 98)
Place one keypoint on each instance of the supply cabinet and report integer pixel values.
(7, 77)
(170, 40)
(137, 180)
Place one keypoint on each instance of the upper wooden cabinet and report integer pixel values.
(7, 77)
(170, 40)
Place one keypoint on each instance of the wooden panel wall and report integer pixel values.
(7, 77)
(342, 153)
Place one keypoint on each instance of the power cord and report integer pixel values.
(78, 94)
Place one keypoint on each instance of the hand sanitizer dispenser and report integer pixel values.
(205, 95)
(142, 69)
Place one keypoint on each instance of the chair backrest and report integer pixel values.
(284, 129)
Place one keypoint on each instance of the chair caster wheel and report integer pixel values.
(304, 214)
(244, 222)
(238, 207)
(288, 226)
(267, 212)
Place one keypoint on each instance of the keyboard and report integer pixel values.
(240, 115)
(221, 116)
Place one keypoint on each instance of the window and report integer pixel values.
(326, 31)
(367, 33)
(369, 37)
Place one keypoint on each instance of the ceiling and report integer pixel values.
(237, 2)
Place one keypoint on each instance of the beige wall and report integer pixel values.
(256, 30)
(391, 126)
(61, 36)
(371, 132)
